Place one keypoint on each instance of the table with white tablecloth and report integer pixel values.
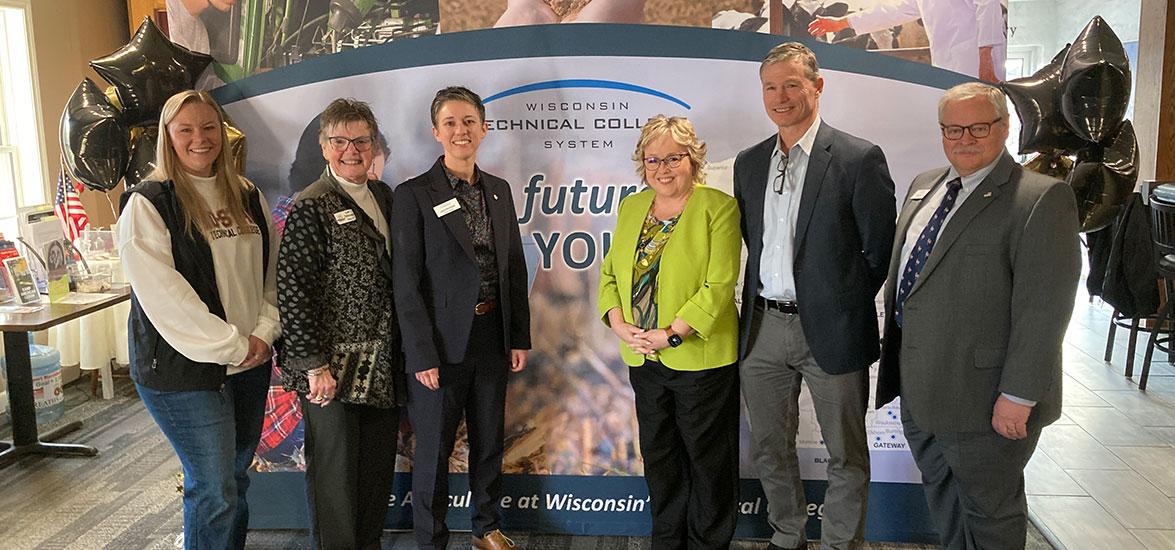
(94, 341)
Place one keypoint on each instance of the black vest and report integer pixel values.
(153, 362)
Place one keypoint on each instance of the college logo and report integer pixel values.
(584, 83)
(578, 112)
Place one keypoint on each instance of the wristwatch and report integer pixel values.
(673, 337)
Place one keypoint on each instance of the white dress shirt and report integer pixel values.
(929, 204)
(934, 198)
(780, 210)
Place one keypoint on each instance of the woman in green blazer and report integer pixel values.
(667, 292)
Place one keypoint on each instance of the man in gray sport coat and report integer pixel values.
(980, 290)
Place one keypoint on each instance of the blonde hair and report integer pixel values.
(232, 186)
(970, 90)
(682, 131)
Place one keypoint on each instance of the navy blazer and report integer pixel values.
(844, 232)
(435, 273)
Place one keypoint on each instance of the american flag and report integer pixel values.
(68, 205)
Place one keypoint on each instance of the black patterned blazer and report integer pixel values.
(335, 297)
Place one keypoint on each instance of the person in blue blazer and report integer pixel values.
(818, 219)
(667, 292)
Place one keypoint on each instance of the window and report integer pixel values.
(22, 170)
(1022, 61)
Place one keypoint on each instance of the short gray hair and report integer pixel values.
(343, 111)
(970, 90)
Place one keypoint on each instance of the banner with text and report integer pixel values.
(564, 107)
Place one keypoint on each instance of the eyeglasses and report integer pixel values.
(339, 143)
(978, 131)
(652, 164)
(780, 173)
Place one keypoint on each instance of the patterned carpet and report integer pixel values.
(126, 498)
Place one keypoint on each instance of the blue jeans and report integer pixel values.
(215, 435)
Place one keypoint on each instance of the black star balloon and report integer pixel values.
(1036, 99)
(1095, 82)
(142, 161)
(93, 138)
(1104, 178)
(148, 70)
(1121, 154)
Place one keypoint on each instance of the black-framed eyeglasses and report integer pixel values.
(339, 143)
(978, 131)
(652, 164)
(780, 173)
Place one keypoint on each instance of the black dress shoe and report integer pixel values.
(802, 546)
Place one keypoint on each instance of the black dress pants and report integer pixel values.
(689, 440)
(475, 389)
(350, 464)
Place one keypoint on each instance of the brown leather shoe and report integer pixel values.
(494, 540)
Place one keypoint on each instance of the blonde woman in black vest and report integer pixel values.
(199, 253)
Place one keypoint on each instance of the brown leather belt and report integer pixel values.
(485, 307)
(777, 305)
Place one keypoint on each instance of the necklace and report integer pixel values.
(663, 209)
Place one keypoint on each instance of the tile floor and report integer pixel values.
(1104, 475)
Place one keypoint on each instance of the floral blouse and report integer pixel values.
(654, 234)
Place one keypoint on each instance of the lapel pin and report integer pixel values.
(495, 196)
(987, 194)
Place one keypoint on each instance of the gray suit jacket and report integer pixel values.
(989, 311)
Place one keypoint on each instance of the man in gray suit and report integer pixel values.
(981, 286)
(818, 220)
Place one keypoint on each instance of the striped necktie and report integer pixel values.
(923, 247)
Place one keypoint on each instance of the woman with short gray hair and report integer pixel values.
(342, 354)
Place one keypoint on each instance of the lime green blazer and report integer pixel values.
(699, 267)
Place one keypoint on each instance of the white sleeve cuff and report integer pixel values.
(1019, 400)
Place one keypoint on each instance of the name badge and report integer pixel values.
(346, 216)
(446, 207)
(919, 195)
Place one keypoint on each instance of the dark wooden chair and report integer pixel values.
(1162, 207)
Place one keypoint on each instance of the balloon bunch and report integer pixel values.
(110, 135)
(1072, 112)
